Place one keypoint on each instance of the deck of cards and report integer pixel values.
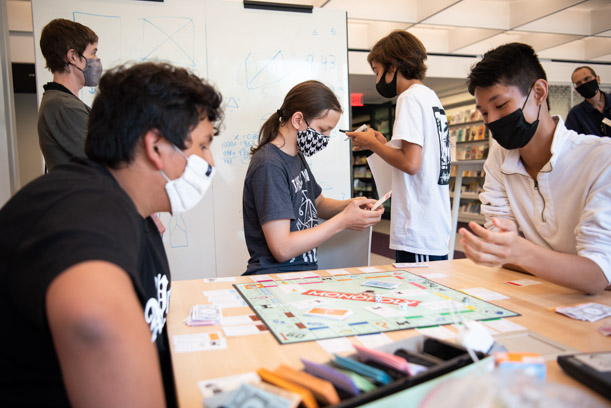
(204, 315)
(589, 312)
(380, 284)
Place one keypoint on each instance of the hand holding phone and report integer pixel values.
(361, 128)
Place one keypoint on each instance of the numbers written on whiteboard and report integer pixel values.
(326, 62)
(238, 148)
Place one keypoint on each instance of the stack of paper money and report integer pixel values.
(204, 315)
(590, 312)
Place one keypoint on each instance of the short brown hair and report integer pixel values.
(402, 50)
(61, 35)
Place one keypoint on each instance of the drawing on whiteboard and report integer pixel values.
(264, 71)
(232, 103)
(169, 38)
(239, 146)
(179, 236)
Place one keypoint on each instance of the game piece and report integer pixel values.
(403, 306)
(378, 298)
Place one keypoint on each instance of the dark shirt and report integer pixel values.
(76, 213)
(278, 186)
(586, 119)
(62, 125)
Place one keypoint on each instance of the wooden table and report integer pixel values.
(248, 353)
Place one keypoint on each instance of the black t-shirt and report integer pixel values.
(586, 119)
(74, 214)
(278, 186)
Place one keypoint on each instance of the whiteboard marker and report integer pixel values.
(361, 128)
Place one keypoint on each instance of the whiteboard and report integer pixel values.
(253, 57)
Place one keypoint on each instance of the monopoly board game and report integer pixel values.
(323, 307)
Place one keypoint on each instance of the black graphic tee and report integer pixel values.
(75, 213)
(278, 186)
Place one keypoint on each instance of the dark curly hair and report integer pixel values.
(132, 100)
(61, 35)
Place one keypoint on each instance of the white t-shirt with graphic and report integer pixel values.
(420, 209)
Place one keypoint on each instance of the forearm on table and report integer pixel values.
(563, 269)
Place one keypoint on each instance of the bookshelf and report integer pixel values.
(379, 117)
(470, 142)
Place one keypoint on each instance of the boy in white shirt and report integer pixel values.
(547, 190)
(419, 151)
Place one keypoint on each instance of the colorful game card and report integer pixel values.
(380, 284)
(335, 314)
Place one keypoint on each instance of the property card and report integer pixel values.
(523, 282)
(484, 294)
(504, 326)
(380, 284)
(261, 278)
(403, 265)
(291, 288)
(338, 272)
(199, 342)
(434, 275)
(338, 345)
(223, 279)
(438, 332)
(384, 310)
(299, 275)
(236, 320)
(308, 303)
(374, 340)
(244, 330)
(225, 298)
(335, 314)
(369, 269)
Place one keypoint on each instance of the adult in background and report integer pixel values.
(70, 51)
(593, 115)
(547, 188)
(85, 278)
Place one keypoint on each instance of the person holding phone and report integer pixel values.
(282, 201)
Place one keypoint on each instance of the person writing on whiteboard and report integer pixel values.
(593, 115)
(419, 151)
(282, 201)
(70, 51)
(85, 277)
(547, 189)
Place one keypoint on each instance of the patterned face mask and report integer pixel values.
(310, 142)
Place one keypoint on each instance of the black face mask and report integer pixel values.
(512, 131)
(387, 89)
(588, 89)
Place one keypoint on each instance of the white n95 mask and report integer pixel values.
(188, 189)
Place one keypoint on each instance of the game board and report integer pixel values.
(323, 307)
